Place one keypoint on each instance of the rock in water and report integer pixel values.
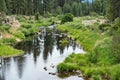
(45, 68)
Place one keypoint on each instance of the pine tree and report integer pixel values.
(59, 10)
(75, 9)
(61, 3)
(80, 10)
(29, 7)
(3, 7)
(113, 9)
(67, 8)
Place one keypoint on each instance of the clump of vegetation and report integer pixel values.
(94, 14)
(19, 35)
(2, 16)
(26, 26)
(37, 16)
(12, 52)
(67, 67)
(26, 31)
(67, 18)
(116, 39)
(4, 28)
(64, 41)
(8, 40)
(104, 27)
(116, 24)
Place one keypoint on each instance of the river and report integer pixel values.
(41, 57)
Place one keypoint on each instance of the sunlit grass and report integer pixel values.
(6, 51)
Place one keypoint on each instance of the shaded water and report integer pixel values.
(43, 52)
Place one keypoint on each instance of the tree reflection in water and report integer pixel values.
(45, 49)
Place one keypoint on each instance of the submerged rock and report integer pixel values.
(52, 65)
(52, 73)
(45, 68)
(80, 75)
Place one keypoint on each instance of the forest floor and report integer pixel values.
(92, 22)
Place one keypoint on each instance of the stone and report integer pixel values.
(52, 73)
(45, 68)
(52, 65)
(80, 75)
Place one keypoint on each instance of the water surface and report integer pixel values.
(44, 51)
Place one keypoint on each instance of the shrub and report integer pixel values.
(59, 17)
(48, 15)
(115, 72)
(67, 18)
(2, 16)
(7, 41)
(4, 28)
(20, 18)
(26, 26)
(37, 16)
(20, 35)
(93, 14)
(96, 77)
(28, 32)
(66, 67)
(116, 24)
(64, 41)
(116, 45)
(104, 27)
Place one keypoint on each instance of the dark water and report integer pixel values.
(44, 51)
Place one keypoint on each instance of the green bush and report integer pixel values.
(37, 16)
(115, 72)
(104, 27)
(20, 18)
(67, 18)
(9, 40)
(96, 77)
(116, 24)
(66, 67)
(64, 41)
(116, 46)
(60, 17)
(93, 14)
(2, 17)
(4, 28)
(26, 26)
(28, 32)
(19, 35)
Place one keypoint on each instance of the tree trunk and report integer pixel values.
(119, 12)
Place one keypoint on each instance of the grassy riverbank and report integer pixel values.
(99, 62)
(24, 29)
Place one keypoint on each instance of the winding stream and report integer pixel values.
(40, 59)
